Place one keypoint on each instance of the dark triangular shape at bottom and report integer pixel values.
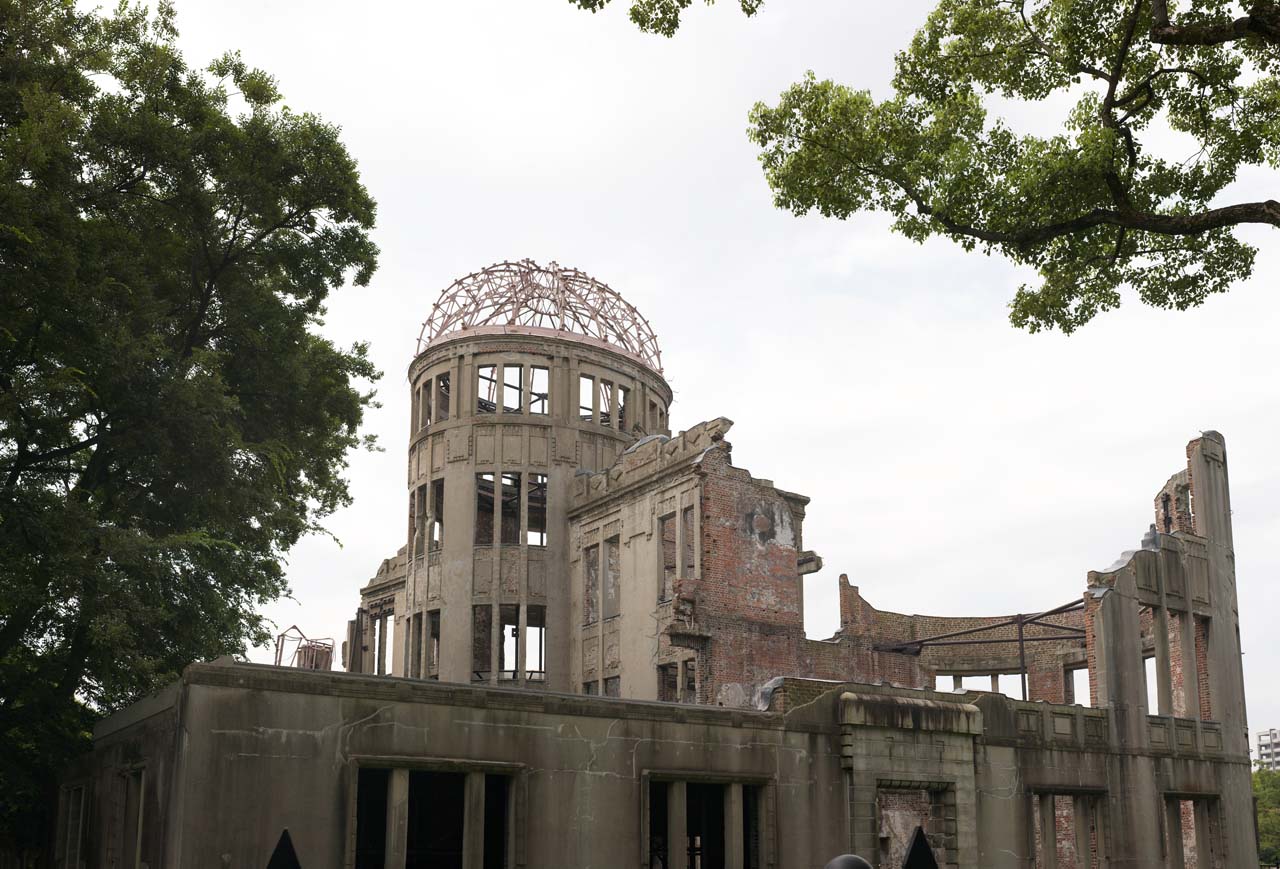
(284, 857)
(920, 855)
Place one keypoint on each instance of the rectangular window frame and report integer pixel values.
(486, 389)
(539, 390)
(513, 392)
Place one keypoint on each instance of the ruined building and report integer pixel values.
(590, 652)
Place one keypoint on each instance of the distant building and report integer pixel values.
(1269, 749)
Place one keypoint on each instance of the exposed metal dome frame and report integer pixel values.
(524, 297)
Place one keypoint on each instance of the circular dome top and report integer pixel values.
(526, 298)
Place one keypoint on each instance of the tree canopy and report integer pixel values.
(171, 422)
(1167, 106)
(1266, 788)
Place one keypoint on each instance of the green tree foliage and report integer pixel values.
(1266, 788)
(1093, 207)
(170, 420)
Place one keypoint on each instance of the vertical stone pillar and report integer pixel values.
(397, 819)
(1164, 669)
(473, 822)
(995, 683)
(1082, 815)
(677, 827)
(957, 683)
(1048, 833)
(733, 856)
(1173, 834)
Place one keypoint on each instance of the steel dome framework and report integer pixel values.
(550, 298)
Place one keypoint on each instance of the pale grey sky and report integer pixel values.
(956, 465)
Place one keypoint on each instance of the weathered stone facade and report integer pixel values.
(591, 652)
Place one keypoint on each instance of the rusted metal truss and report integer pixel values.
(974, 636)
(526, 295)
(296, 649)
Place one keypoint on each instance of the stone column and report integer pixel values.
(733, 856)
(1048, 833)
(397, 819)
(1082, 814)
(677, 827)
(1173, 834)
(473, 822)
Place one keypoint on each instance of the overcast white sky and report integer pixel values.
(956, 465)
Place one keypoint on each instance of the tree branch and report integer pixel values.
(1264, 212)
(1263, 22)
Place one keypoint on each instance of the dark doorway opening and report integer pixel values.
(752, 799)
(658, 824)
(437, 802)
(371, 818)
(497, 790)
(704, 813)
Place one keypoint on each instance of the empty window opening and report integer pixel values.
(658, 840)
(415, 661)
(437, 809)
(591, 688)
(418, 520)
(513, 389)
(1166, 513)
(1080, 694)
(436, 536)
(1202, 673)
(535, 643)
(536, 529)
(385, 631)
(586, 389)
(496, 799)
(510, 509)
(1153, 688)
(612, 577)
(704, 825)
(481, 634)
(590, 584)
(668, 682)
(752, 800)
(539, 390)
(433, 643)
(371, 817)
(624, 417)
(667, 557)
(613, 686)
(442, 398)
(689, 681)
(508, 649)
(662, 419)
(484, 509)
(486, 388)
(606, 403)
(688, 540)
(424, 406)
(1055, 817)
(653, 417)
(1193, 827)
